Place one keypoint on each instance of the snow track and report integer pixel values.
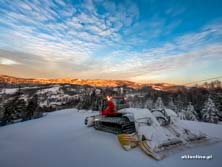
(61, 140)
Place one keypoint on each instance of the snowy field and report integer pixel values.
(60, 139)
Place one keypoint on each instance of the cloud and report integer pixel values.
(61, 30)
(5, 61)
(142, 69)
(99, 39)
(190, 51)
(175, 11)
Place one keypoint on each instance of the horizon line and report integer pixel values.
(145, 82)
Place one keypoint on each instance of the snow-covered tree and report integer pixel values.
(138, 103)
(179, 103)
(141, 104)
(182, 115)
(148, 103)
(191, 113)
(159, 104)
(171, 105)
(209, 112)
(130, 102)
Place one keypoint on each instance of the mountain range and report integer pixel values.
(96, 82)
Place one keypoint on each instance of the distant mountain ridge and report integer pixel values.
(96, 82)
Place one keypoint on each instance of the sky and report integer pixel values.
(144, 41)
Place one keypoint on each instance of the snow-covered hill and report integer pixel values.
(61, 140)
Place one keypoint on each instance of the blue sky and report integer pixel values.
(143, 41)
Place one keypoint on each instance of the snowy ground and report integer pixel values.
(61, 140)
(9, 91)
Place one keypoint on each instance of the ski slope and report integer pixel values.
(60, 139)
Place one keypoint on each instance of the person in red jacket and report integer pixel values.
(110, 109)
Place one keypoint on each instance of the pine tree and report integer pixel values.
(37, 111)
(217, 98)
(1, 107)
(19, 107)
(8, 114)
(182, 115)
(1, 112)
(32, 110)
(209, 112)
(171, 105)
(190, 113)
(148, 103)
(13, 108)
(179, 103)
(141, 104)
(159, 104)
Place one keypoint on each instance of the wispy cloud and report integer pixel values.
(63, 30)
(189, 51)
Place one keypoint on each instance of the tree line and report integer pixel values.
(17, 109)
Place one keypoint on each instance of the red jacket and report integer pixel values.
(110, 109)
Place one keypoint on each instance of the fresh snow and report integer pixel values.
(61, 139)
(54, 89)
(9, 91)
